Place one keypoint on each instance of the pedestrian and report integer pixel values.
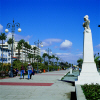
(22, 71)
(14, 72)
(30, 69)
(17, 71)
(79, 70)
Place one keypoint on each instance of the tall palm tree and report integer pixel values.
(44, 55)
(19, 47)
(39, 58)
(53, 56)
(57, 62)
(49, 57)
(21, 42)
(34, 48)
(2, 37)
(10, 42)
(26, 46)
(29, 56)
(29, 51)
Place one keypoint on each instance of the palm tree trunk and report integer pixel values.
(34, 55)
(25, 56)
(32, 58)
(2, 54)
(18, 54)
(44, 60)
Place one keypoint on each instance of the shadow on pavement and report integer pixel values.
(73, 94)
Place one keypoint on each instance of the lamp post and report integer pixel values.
(48, 50)
(37, 43)
(22, 52)
(13, 30)
(98, 63)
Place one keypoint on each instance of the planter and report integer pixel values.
(79, 93)
(44, 70)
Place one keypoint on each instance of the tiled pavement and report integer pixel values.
(44, 86)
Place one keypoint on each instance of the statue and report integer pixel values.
(86, 24)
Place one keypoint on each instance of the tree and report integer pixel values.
(39, 58)
(10, 42)
(29, 56)
(21, 43)
(44, 55)
(80, 61)
(18, 47)
(49, 57)
(29, 52)
(96, 60)
(34, 48)
(57, 62)
(26, 46)
(53, 57)
(2, 37)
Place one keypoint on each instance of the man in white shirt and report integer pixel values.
(30, 69)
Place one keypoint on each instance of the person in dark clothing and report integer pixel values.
(22, 71)
(17, 71)
(14, 72)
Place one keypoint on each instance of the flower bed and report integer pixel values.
(91, 92)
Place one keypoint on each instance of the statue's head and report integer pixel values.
(86, 17)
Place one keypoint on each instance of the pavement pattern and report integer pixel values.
(44, 86)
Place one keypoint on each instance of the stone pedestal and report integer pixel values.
(70, 70)
(89, 73)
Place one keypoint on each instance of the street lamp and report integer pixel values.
(48, 50)
(98, 63)
(13, 30)
(37, 43)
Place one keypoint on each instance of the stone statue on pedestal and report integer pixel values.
(89, 72)
(86, 23)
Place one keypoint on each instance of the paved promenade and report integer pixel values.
(44, 86)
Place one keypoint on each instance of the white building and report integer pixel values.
(23, 52)
(6, 55)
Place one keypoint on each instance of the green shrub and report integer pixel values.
(92, 92)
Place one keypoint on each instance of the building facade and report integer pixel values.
(23, 52)
(6, 55)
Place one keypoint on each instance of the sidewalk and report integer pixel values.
(44, 86)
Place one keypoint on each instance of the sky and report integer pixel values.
(55, 23)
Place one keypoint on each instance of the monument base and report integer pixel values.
(89, 74)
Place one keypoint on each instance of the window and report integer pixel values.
(8, 54)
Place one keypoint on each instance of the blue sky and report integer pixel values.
(57, 23)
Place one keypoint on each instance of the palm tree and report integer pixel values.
(80, 61)
(57, 62)
(96, 60)
(10, 42)
(29, 56)
(26, 46)
(53, 56)
(29, 47)
(21, 42)
(2, 37)
(19, 47)
(34, 48)
(44, 55)
(49, 57)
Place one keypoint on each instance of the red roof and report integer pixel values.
(15, 57)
